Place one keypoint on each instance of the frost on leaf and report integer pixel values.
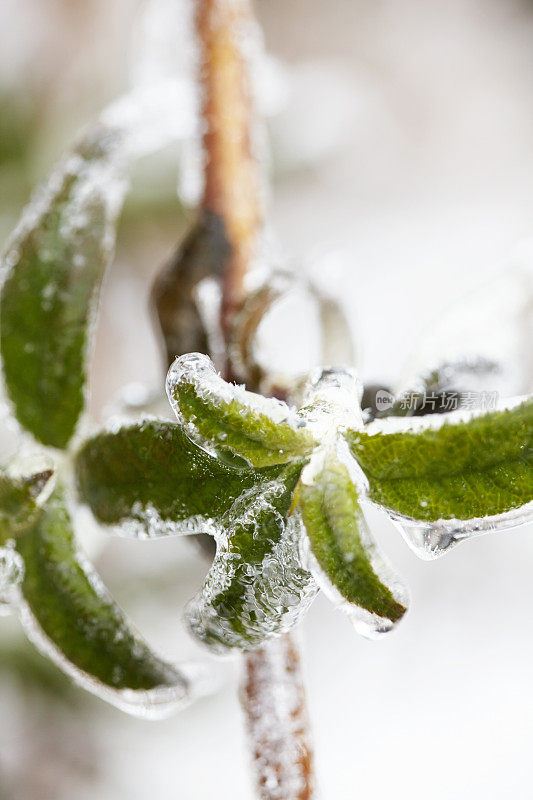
(282, 528)
(151, 480)
(440, 478)
(54, 264)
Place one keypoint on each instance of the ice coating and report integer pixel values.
(332, 400)
(59, 253)
(198, 369)
(429, 540)
(146, 522)
(273, 699)
(219, 415)
(436, 421)
(257, 586)
(165, 51)
(68, 614)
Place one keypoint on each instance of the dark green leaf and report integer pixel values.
(72, 608)
(54, 268)
(153, 476)
(459, 470)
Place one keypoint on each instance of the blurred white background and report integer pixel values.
(403, 163)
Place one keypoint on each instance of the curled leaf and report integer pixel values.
(203, 254)
(257, 586)
(335, 346)
(223, 418)
(69, 615)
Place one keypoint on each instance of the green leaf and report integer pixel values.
(66, 601)
(153, 477)
(227, 418)
(257, 586)
(456, 470)
(54, 267)
(340, 542)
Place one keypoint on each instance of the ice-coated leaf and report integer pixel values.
(53, 268)
(456, 466)
(257, 586)
(54, 263)
(222, 417)
(69, 615)
(346, 562)
(153, 480)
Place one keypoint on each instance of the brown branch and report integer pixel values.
(273, 699)
(231, 172)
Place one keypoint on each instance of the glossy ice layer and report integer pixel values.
(257, 586)
(429, 540)
(197, 370)
(332, 401)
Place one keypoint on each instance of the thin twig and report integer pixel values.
(232, 185)
(273, 698)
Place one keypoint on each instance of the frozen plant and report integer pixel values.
(279, 478)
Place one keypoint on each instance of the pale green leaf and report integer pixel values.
(152, 477)
(350, 568)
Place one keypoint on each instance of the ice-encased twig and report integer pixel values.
(273, 700)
